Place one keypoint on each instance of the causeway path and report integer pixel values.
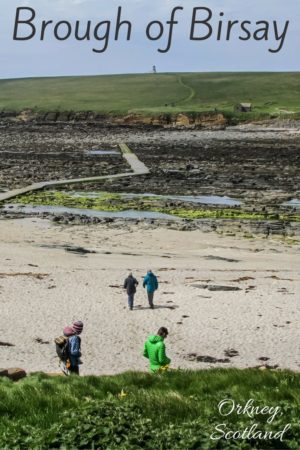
(138, 168)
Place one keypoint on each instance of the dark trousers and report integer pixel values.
(74, 370)
(130, 300)
(150, 298)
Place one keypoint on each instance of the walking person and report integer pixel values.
(68, 348)
(151, 284)
(130, 285)
(155, 350)
(75, 347)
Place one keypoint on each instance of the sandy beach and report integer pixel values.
(43, 287)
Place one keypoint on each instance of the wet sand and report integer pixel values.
(43, 287)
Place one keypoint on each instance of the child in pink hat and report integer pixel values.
(74, 346)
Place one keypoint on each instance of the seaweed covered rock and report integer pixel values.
(13, 374)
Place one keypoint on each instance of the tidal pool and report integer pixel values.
(294, 202)
(129, 214)
(198, 199)
(103, 152)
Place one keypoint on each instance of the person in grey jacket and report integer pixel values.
(130, 285)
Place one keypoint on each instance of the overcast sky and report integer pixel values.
(55, 58)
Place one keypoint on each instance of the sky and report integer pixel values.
(52, 57)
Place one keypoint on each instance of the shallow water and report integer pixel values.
(294, 202)
(199, 199)
(130, 214)
(103, 152)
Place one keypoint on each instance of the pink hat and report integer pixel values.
(77, 326)
(68, 331)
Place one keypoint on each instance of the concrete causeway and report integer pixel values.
(138, 168)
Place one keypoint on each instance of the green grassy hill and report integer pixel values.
(270, 93)
(177, 410)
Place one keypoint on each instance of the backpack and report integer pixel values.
(62, 347)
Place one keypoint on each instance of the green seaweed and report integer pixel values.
(113, 202)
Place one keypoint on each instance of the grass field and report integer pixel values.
(173, 410)
(270, 93)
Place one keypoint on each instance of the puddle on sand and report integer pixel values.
(103, 152)
(130, 214)
(294, 202)
(198, 199)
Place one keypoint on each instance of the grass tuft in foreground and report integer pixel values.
(174, 410)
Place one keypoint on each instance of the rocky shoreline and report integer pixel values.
(246, 228)
(207, 120)
(258, 164)
(239, 162)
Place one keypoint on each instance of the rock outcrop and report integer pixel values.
(14, 374)
(167, 120)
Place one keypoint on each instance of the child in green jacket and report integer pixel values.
(155, 350)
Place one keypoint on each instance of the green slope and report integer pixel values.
(176, 410)
(271, 93)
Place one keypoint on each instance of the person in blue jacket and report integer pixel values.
(74, 347)
(151, 284)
